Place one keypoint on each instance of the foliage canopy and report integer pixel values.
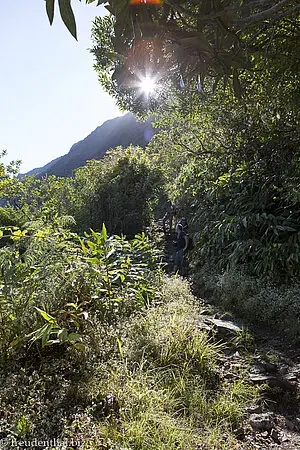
(180, 43)
(177, 42)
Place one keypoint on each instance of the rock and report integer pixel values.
(284, 438)
(285, 383)
(262, 366)
(227, 352)
(254, 409)
(227, 317)
(274, 435)
(262, 422)
(203, 325)
(229, 376)
(291, 378)
(269, 367)
(283, 371)
(265, 434)
(225, 329)
(257, 368)
(297, 424)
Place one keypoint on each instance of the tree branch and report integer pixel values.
(263, 14)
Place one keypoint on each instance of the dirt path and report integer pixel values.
(274, 423)
(274, 361)
(281, 400)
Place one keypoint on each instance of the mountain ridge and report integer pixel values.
(120, 131)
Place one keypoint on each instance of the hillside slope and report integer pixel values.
(120, 131)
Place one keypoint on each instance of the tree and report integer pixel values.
(232, 167)
(8, 181)
(178, 43)
(175, 42)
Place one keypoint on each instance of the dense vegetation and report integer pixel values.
(99, 348)
(96, 341)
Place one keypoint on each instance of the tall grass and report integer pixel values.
(152, 382)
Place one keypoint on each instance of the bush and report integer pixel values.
(121, 192)
(48, 292)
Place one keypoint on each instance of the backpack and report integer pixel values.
(190, 245)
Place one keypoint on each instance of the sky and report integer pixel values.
(50, 97)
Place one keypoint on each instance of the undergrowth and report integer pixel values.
(149, 381)
(256, 300)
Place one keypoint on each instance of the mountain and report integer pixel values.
(124, 130)
(43, 169)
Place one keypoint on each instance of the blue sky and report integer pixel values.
(49, 94)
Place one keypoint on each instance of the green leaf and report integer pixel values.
(85, 314)
(237, 85)
(84, 249)
(50, 10)
(104, 232)
(120, 347)
(15, 342)
(111, 252)
(73, 305)
(67, 16)
(80, 346)
(46, 334)
(74, 337)
(45, 315)
(52, 341)
(93, 260)
(16, 235)
(37, 334)
(91, 245)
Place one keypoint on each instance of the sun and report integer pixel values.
(147, 85)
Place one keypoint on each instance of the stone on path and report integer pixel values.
(225, 329)
(261, 422)
(286, 383)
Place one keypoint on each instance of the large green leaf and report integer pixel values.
(104, 232)
(50, 10)
(67, 16)
(100, 2)
(46, 316)
(237, 85)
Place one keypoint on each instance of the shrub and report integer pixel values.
(48, 293)
(121, 192)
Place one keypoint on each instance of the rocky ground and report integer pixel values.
(281, 401)
(273, 423)
(274, 363)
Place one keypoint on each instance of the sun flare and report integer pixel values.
(147, 85)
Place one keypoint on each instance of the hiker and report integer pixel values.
(181, 244)
(182, 222)
(170, 213)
